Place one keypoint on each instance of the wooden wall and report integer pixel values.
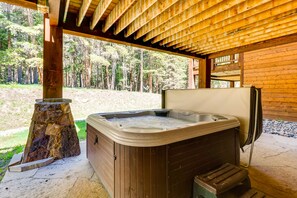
(275, 71)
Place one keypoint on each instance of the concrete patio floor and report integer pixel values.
(273, 170)
(274, 166)
(71, 177)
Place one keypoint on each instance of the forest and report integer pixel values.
(86, 62)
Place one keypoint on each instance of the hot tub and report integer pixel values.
(157, 153)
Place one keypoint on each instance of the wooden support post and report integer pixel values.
(52, 60)
(231, 84)
(204, 73)
(241, 61)
(191, 74)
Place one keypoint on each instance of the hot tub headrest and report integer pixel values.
(238, 102)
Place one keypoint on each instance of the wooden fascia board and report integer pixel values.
(255, 46)
(31, 4)
(227, 67)
(84, 30)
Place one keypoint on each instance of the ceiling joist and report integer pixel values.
(261, 31)
(235, 25)
(255, 46)
(117, 12)
(204, 9)
(238, 42)
(136, 10)
(82, 11)
(150, 14)
(242, 10)
(66, 10)
(251, 23)
(176, 9)
(98, 13)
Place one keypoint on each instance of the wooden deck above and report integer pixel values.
(193, 28)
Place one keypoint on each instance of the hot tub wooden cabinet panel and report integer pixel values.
(100, 152)
(162, 171)
(140, 172)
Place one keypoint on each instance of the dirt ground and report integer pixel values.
(17, 103)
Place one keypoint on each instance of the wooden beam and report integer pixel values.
(117, 12)
(176, 9)
(54, 11)
(82, 11)
(204, 73)
(100, 10)
(259, 45)
(231, 84)
(23, 3)
(52, 60)
(70, 28)
(66, 10)
(190, 17)
(135, 11)
(154, 11)
(241, 61)
(245, 16)
(229, 67)
(226, 78)
(191, 84)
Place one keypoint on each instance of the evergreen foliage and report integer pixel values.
(87, 62)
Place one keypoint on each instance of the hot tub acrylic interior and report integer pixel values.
(157, 153)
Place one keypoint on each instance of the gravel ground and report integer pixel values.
(283, 128)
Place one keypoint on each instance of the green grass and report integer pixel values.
(14, 143)
(81, 129)
(14, 85)
(18, 138)
(6, 156)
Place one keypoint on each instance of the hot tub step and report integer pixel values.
(226, 181)
(254, 193)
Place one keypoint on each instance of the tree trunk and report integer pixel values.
(9, 69)
(113, 74)
(97, 76)
(20, 75)
(74, 79)
(31, 75)
(81, 80)
(32, 39)
(150, 82)
(141, 71)
(131, 81)
(9, 74)
(88, 66)
(124, 69)
(107, 78)
(35, 75)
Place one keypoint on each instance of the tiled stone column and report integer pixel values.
(52, 132)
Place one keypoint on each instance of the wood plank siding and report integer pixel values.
(274, 70)
(100, 150)
(140, 172)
